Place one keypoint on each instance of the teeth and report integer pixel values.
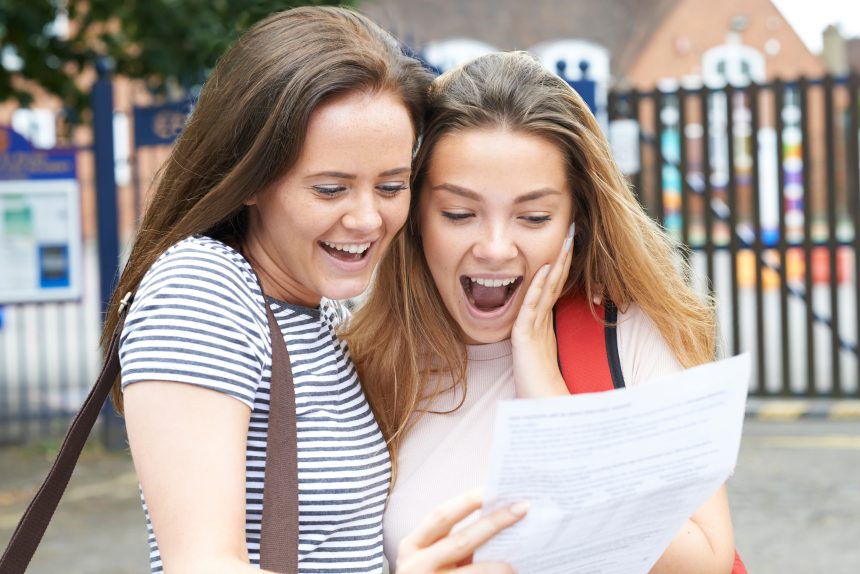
(493, 282)
(348, 247)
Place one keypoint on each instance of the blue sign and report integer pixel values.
(19, 160)
(54, 266)
(584, 87)
(159, 125)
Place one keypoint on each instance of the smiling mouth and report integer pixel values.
(346, 251)
(489, 294)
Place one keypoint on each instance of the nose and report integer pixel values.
(363, 214)
(494, 244)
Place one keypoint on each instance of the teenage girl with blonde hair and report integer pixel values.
(516, 203)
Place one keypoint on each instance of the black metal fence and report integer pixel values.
(761, 182)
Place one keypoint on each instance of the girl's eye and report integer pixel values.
(536, 219)
(457, 215)
(392, 188)
(329, 190)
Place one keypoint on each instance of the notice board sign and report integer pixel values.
(40, 223)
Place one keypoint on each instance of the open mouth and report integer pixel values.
(349, 252)
(487, 295)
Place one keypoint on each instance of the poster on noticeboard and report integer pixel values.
(40, 223)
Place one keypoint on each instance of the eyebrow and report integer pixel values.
(344, 175)
(469, 194)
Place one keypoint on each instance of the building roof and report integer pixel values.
(621, 26)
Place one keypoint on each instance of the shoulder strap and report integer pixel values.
(279, 538)
(587, 347)
(41, 509)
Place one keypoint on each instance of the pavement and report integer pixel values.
(795, 499)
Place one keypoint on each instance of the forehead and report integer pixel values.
(497, 160)
(357, 125)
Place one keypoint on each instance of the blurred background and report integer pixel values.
(736, 123)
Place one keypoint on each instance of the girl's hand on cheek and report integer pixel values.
(536, 372)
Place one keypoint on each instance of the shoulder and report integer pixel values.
(642, 349)
(201, 284)
(204, 258)
(198, 317)
(200, 267)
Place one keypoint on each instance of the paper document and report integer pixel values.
(612, 477)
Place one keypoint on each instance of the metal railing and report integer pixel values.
(805, 133)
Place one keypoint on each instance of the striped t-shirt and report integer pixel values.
(198, 318)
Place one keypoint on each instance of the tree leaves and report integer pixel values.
(171, 44)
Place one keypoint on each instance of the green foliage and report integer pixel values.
(167, 43)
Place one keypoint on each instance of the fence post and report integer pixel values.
(107, 221)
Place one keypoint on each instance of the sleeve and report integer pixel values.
(642, 350)
(194, 320)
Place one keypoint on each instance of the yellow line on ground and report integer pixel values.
(782, 410)
(834, 442)
(845, 410)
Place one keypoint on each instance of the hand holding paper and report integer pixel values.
(611, 477)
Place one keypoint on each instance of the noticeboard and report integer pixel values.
(40, 223)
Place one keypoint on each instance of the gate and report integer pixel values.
(761, 184)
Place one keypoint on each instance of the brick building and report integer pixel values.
(647, 41)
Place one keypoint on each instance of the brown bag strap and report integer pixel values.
(279, 536)
(38, 515)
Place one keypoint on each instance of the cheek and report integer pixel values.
(396, 212)
(437, 254)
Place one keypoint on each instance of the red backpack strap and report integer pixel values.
(587, 348)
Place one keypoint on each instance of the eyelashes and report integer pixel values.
(457, 216)
(393, 189)
(330, 191)
(536, 218)
(528, 219)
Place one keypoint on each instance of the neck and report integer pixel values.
(276, 281)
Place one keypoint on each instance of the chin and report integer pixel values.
(343, 292)
(477, 336)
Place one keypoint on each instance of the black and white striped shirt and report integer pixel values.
(198, 318)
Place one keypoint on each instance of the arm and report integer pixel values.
(188, 446)
(705, 544)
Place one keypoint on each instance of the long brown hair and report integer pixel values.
(403, 333)
(249, 124)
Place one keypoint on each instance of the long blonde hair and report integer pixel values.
(249, 125)
(403, 334)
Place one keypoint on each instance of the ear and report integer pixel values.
(251, 200)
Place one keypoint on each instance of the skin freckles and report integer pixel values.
(321, 229)
(495, 206)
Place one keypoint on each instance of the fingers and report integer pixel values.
(443, 518)
(463, 543)
(533, 296)
(560, 268)
(556, 276)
